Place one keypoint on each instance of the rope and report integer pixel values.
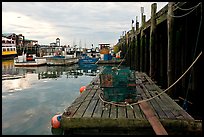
(186, 13)
(127, 104)
(188, 8)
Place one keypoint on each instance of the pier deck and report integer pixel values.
(88, 114)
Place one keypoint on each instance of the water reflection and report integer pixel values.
(29, 102)
(8, 67)
(19, 78)
(9, 71)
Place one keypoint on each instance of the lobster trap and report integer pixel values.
(118, 85)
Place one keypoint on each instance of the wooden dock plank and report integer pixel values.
(146, 95)
(90, 109)
(137, 110)
(114, 111)
(130, 112)
(173, 106)
(161, 103)
(106, 111)
(85, 103)
(155, 106)
(99, 106)
(163, 106)
(70, 111)
(122, 112)
(156, 124)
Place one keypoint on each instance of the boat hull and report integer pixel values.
(28, 64)
(53, 61)
(37, 62)
(88, 61)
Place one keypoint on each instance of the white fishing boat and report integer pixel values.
(21, 61)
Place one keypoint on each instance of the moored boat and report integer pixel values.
(21, 61)
(8, 48)
(85, 59)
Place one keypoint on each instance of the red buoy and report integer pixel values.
(82, 89)
(55, 122)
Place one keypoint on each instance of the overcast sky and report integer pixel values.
(80, 23)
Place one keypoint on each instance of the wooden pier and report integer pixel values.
(89, 114)
(165, 46)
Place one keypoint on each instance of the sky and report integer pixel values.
(74, 23)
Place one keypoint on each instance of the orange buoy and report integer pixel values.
(55, 122)
(82, 89)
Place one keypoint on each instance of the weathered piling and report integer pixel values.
(170, 51)
(152, 40)
(142, 45)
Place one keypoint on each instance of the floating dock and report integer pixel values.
(89, 114)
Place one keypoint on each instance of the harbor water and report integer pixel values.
(31, 96)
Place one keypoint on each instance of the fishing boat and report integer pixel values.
(8, 48)
(21, 61)
(60, 61)
(85, 59)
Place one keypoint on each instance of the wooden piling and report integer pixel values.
(142, 44)
(137, 25)
(152, 40)
(170, 51)
(137, 52)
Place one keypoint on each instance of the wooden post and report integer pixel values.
(141, 50)
(152, 40)
(126, 48)
(170, 49)
(129, 55)
(136, 46)
(137, 24)
(142, 45)
(136, 53)
(132, 47)
(132, 58)
(145, 54)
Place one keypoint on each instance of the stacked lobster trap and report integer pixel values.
(118, 85)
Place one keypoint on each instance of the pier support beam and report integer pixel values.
(142, 44)
(152, 40)
(170, 49)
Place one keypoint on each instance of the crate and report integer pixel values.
(118, 84)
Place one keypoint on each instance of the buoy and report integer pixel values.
(55, 122)
(82, 89)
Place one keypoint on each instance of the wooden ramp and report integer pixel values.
(88, 114)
